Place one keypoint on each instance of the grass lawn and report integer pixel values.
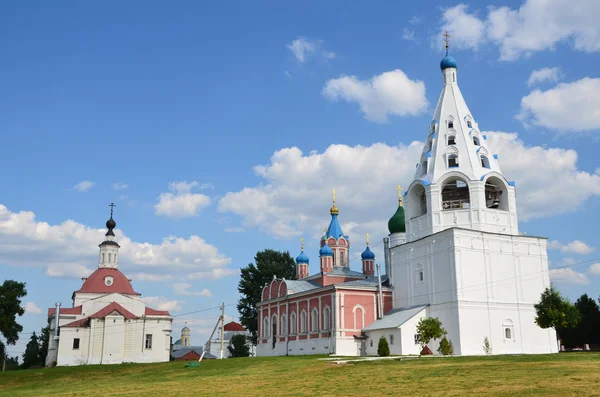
(575, 374)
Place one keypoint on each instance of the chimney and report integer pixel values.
(56, 318)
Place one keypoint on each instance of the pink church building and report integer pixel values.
(323, 313)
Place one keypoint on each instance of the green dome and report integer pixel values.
(397, 223)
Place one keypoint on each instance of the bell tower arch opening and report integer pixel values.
(455, 194)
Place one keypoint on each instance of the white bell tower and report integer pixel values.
(458, 181)
(109, 248)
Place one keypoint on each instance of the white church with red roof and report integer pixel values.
(108, 323)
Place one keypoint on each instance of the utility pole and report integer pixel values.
(222, 328)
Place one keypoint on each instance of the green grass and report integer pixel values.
(548, 375)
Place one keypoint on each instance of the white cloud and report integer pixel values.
(83, 186)
(414, 20)
(31, 308)
(545, 74)
(388, 94)
(574, 247)
(183, 289)
(594, 269)
(303, 48)
(70, 249)
(234, 229)
(180, 202)
(119, 186)
(408, 34)
(537, 25)
(214, 274)
(566, 107)
(162, 303)
(568, 276)
(293, 198)
(150, 277)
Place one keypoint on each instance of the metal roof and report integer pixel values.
(395, 318)
(301, 285)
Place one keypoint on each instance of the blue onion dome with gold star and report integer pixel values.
(302, 258)
(397, 223)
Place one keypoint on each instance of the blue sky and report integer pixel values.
(220, 129)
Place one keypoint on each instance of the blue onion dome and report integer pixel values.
(448, 62)
(368, 254)
(325, 250)
(302, 258)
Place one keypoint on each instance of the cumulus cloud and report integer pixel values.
(388, 94)
(293, 198)
(408, 34)
(566, 107)
(545, 74)
(183, 289)
(119, 186)
(303, 48)
(162, 303)
(70, 249)
(594, 269)
(568, 276)
(31, 308)
(180, 202)
(574, 247)
(537, 25)
(151, 277)
(83, 186)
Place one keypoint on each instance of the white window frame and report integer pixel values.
(148, 342)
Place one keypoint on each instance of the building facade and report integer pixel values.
(108, 323)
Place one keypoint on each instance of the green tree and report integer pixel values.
(11, 293)
(446, 347)
(238, 346)
(383, 348)
(32, 352)
(554, 311)
(268, 263)
(588, 326)
(429, 329)
(43, 339)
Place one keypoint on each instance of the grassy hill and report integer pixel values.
(548, 375)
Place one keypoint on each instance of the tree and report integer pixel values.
(554, 311)
(383, 348)
(253, 278)
(43, 339)
(11, 293)
(446, 347)
(487, 348)
(429, 329)
(238, 346)
(589, 312)
(32, 352)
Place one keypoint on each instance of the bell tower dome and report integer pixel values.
(458, 181)
(109, 248)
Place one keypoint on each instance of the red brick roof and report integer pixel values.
(153, 312)
(65, 310)
(95, 283)
(233, 326)
(84, 322)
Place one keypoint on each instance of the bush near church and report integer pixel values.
(383, 349)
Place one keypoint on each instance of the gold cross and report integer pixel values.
(447, 39)
(367, 235)
(399, 189)
(302, 243)
(333, 192)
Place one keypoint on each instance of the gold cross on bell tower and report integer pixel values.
(399, 189)
(447, 40)
(302, 243)
(367, 236)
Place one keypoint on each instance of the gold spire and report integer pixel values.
(447, 40)
(302, 243)
(334, 210)
(399, 189)
(367, 236)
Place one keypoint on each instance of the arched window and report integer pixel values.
(109, 258)
(450, 124)
(417, 202)
(266, 328)
(507, 333)
(342, 259)
(452, 160)
(359, 317)
(293, 328)
(485, 162)
(103, 257)
(274, 326)
(326, 318)
(496, 194)
(424, 167)
(115, 258)
(508, 329)
(476, 141)
(283, 325)
(451, 140)
(429, 146)
(303, 322)
(455, 194)
(469, 124)
(314, 326)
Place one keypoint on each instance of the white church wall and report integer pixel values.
(67, 355)
(114, 331)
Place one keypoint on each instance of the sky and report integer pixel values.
(219, 129)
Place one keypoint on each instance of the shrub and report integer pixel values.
(446, 348)
(238, 346)
(487, 348)
(383, 349)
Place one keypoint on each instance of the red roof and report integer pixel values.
(81, 323)
(96, 283)
(153, 312)
(65, 310)
(233, 326)
(84, 322)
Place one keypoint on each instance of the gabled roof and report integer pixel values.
(366, 282)
(153, 312)
(233, 326)
(185, 350)
(301, 285)
(111, 308)
(81, 323)
(65, 310)
(96, 283)
(395, 318)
